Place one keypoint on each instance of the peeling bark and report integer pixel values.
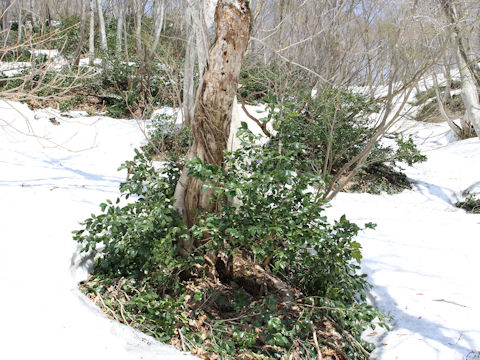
(213, 107)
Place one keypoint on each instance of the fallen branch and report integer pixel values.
(315, 342)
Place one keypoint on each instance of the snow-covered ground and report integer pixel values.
(54, 171)
(423, 257)
(45, 190)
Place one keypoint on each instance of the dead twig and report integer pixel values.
(315, 342)
(106, 307)
(263, 126)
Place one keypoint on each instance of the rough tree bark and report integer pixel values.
(213, 106)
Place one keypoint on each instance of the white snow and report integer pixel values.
(50, 54)
(86, 62)
(54, 171)
(45, 190)
(10, 69)
(423, 256)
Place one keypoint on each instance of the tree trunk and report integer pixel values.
(453, 126)
(203, 21)
(159, 16)
(125, 37)
(20, 20)
(34, 16)
(213, 106)
(49, 18)
(448, 82)
(83, 21)
(101, 23)
(120, 21)
(139, 9)
(188, 81)
(469, 95)
(5, 18)
(467, 72)
(200, 19)
(91, 41)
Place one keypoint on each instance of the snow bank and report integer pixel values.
(423, 257)
(54, 171)
(52, 175)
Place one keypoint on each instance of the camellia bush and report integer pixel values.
(334, 127)
(286, 281)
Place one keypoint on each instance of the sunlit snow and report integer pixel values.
(56, 168)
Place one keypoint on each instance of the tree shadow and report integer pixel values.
(464, 344)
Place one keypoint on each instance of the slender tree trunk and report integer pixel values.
(159, 16)
(125, 38)
(213, 107)
(139, 9)
(188, 81)
(469, 95)
(101, 24)
(200, 19)
(120, 22)
(455, 128)
(448, 82)
(32, 12)
(467, 72)
(83, 21)
(49, 17)
(20, 20)
(203, 24)
(91, 40)
(5, 18)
